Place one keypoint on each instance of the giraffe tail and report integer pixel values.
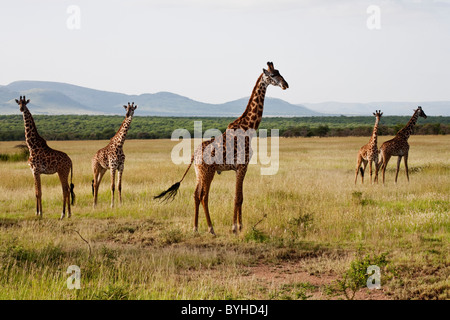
(173, 190)
(72, 186)
(362, 171)
(92, 184)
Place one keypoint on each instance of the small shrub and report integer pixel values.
(356, 276)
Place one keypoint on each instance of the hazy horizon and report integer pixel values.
(213, 51)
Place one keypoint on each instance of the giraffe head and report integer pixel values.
(420, 112)
(273, 77)
(22, 102)
(130, 109)
(378, 114)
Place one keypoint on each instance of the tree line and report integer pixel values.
(85, 127)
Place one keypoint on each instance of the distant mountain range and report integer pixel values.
(61, 98)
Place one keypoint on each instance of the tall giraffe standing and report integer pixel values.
(112, 157)
(45, 160)
(215, 154)
(369, 152)
(398, 146)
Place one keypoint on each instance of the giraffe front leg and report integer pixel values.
(370, 170)
(119, 184)
(38, 193)
(406, 166)
(399, 159)
(238, 200)
(113, 186)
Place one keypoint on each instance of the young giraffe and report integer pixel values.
(213, 155)
(112, 157)
(45, 160)
(398, 146)
(369, 152)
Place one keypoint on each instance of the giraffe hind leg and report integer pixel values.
(197, 199)
(206, 183)
(63, 177)
(358, 168)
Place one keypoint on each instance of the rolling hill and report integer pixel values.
(61, 98)
(56, 98)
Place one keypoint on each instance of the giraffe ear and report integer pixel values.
(17, 101)
(267, 73)
(28, 101)
(125, 107)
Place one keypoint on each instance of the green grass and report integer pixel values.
(307, 225)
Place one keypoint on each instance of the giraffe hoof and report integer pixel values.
(211, 230)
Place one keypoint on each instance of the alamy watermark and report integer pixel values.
(74, 281)
(73, 21)
(374, 279)
(374, 20)
(233, 147)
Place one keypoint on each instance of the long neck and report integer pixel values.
(252, 115)
(32, 137)
(374, 136)
(119, 137)
(408, 129)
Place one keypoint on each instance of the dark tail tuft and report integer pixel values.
(72, 194)
(362, 171)
(92, 187)
(169, 193)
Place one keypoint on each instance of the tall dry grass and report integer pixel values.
(310, 213)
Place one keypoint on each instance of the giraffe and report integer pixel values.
(230, 151)
(369, 152)
(45, 160)
(398, 146)
(112, 157)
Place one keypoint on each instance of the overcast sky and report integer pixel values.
(213, 51)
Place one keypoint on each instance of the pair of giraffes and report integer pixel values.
(398, 146)
(44, 160)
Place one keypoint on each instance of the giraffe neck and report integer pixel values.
(373, 138)
(252, 115)
(32, 137)
(119, 138)
(408, 129)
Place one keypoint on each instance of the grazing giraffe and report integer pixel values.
(398, 146)
(369, 152)
(112, 157)
(230, 151)
(45, 160)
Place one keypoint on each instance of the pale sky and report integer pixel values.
(213, 51)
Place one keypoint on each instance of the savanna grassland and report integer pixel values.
(309, 232)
